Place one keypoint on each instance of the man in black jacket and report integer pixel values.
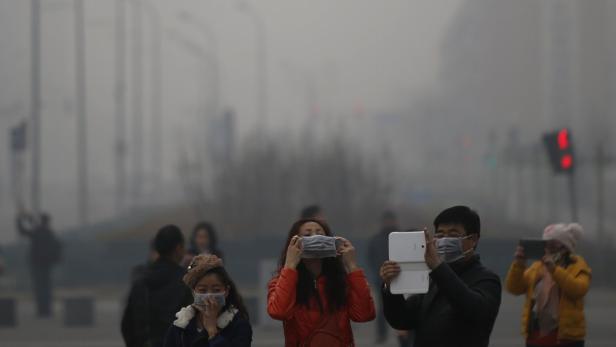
(159, 294)
(463, 298)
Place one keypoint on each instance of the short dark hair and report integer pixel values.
(462, 215)
(167, 239)
(310, 211)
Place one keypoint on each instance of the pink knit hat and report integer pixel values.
(567, 234)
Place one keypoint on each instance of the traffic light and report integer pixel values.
(560, 150)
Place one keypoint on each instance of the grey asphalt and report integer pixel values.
(30, 332)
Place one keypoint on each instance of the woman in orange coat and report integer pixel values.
(317, 298)
(555, 288)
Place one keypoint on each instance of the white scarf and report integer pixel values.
(187, 313)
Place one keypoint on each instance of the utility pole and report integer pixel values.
(157, 141)
(573, 197)
(82, 122)
(137, 74)
(600, 163)
(120, 105)
(35, 104)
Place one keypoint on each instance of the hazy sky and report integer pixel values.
(367, 54)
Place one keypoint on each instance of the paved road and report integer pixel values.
(601, 313)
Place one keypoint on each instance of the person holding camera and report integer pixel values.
(555, 287)
(463, 298)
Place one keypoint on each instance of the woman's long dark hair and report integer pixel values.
(332, 269)
(212, 236)
(234, 298)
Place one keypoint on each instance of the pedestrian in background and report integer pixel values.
(139, 271)
(555, 287)
(154, 299)
(45, 252)
(217, 316)
(312, 212)
(203, 240)
(317, 298)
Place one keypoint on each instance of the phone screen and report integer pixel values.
(533, 248)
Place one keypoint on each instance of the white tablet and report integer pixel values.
(407, 248)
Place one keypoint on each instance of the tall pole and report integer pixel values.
(157, 97)
(120, 105)
(80, 93)
(600, 177)
(35, 104)
(137, 74)
(573, 197)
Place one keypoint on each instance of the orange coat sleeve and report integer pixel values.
(359, 300)
(281, 294)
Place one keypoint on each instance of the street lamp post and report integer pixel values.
(157, 145)
(137, 110)
(80, 94)
(35, 103)
(120, 104)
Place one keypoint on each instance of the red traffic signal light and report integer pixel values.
(559, 146)
(563, 139)
(566, 162)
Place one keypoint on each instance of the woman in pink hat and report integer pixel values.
(555, 287)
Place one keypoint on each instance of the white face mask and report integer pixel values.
(450, 249)
(201, 299)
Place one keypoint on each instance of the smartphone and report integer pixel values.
(533, 248)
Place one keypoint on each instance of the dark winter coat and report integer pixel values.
(459, 309)
(152, 303)
(237, 334)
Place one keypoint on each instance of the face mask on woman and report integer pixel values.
(450, 249)
(201, 299)
(319, 246)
